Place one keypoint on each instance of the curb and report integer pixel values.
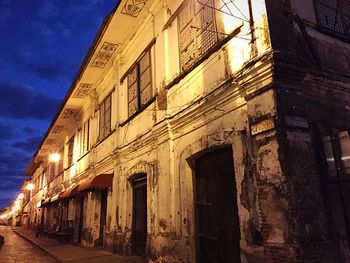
(37, 245)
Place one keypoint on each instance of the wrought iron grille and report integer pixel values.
(334, 16)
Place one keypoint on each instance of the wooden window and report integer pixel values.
(140, 83)
(105, 118)
(70, 145)
(340, 147)
(197, 31)
(60, 162)
(334, 16)
(51, 171)
(84, 138)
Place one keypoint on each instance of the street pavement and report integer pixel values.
(65, 252)
(16, 249)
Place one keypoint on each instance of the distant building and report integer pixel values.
(205, 131)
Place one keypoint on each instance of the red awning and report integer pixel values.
(69, 193)
(100, 181)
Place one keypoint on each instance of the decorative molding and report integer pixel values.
(104, 54)
(57, 129)
(50, 141)
(82, 91)
(133, 7)
(68, 113)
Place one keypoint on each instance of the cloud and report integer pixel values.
(21, 102)
(7, 132)
(48, 9)
(30, 130)
(5, 2)
(52, 69)
(11, 176)
(5, 13)
(29, 145)
(9, 193)
(11, 162)
(12, 167)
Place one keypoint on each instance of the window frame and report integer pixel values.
(84, 139)
(105, 129)
(70, 151)
(137, 68)
(198, 56)
(334, 138)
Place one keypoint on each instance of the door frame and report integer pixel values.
(103, 219)
(133, 180)
(320, 130)
(192, 162)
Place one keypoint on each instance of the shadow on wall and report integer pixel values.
(2, 241)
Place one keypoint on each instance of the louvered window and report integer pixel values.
(334, 16)
(140, 83)
(70, 146)
(84, 138)
(105, 118)
(197, 31)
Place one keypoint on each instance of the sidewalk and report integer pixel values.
(63, 252)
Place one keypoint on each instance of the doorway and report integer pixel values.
(103, 217)
(79, 217)
(217, 222)
(333, 151)
(139, 220)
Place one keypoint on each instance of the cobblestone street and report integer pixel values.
(17, 249)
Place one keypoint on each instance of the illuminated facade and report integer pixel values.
(199, 131)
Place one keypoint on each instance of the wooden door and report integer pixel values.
(217, 223)
(103, 217)
(139, 226)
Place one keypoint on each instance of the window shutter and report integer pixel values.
(206, 37)
(145, 78)
(107, 120)
(101, 122)
(86, 135)
(186, 35)
(132, 91)
(197, 32)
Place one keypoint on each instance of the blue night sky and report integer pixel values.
(42, 44)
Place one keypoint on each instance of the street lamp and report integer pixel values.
(20, 196)
(30, 187)
(54, 157)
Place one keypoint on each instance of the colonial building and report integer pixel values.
(205, 131)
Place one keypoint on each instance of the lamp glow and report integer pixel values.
(30, 186)
(54, 157)
(20, 196)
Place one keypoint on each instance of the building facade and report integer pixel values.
(205, 131)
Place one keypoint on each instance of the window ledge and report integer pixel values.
(81, 157)
(153, 99)
(333, 34)
(102, 140)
